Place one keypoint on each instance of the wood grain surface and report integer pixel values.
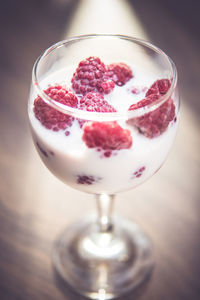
(35, 206)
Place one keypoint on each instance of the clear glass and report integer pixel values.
(106, 257)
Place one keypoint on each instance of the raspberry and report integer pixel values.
(93, 76)
(138, 173)
(156, 122)
(159, 87)
(50, 117)
(42, 150)
(89, 76)
(106, 136)
(146, 101)
(120, 73)
(87, 179)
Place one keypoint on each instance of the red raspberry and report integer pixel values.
(42, 150)
(95, 102)
(87, 179)
(50, 117)
(106, 136)
(120, 73)
(156, 122)
(139, 172)
(146, 101)
(89, 76)
(159, 87)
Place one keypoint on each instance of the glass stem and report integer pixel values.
(105, 206)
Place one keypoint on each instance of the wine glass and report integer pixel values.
(104, 112)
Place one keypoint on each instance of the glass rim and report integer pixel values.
(102, 116)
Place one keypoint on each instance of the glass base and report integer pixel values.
(103, 265)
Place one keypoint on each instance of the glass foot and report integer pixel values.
(103, 265)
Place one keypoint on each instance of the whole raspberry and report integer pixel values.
(106, 136)
(120, 73)
(50, 117)
(156, 122)
(89, 76)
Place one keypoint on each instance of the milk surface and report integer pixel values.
(68, 157)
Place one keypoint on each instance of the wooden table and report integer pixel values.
(35, 206)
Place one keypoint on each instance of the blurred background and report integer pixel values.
(35, 206)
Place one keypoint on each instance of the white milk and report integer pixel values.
(68, 157)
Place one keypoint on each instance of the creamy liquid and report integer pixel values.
(68, 157)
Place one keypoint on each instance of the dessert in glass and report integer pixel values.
(104, 112)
